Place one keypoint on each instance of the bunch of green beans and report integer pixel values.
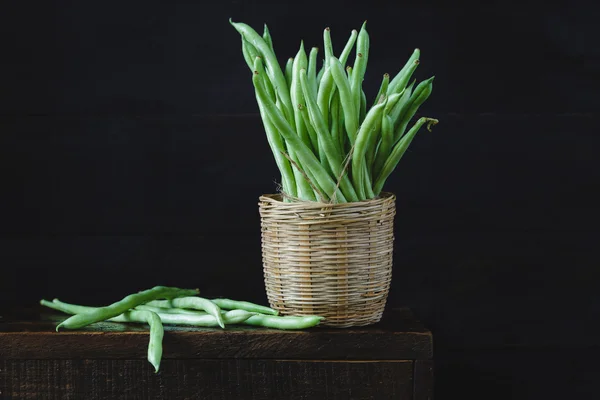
(328, 146)
(173, 306)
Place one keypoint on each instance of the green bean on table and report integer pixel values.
(228, 304)
(144, 316)
(128, 302)
(196, 303)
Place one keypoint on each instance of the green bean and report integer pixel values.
(267, 38)
(130, 301)
(320, 74)
(367, 129)
(328, 46)
(196, 303)
(278, 78)
(308, 159)
(300, 62)
(349, 73)
(168, 316)
(360, 64)
(403, 76)
(251, 52)
(348, 107)
(396, 110)
(387, 141)
(228, 304)
(301, 187)
(348, 48)
(277, 148)
(329, 147)
(383, 88)
(287, 323)
(363, 106)
(230, 317)
(288, 72)
(155, 349)
(398, 151)
(336, 128)
(418, 97)
(326, 85)
(312, 69)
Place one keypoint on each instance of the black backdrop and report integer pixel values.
(132, 155)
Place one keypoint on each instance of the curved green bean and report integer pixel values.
(418, 97)
(196, 303)
(155, 349)
(326, 85)
(130, 301)
(228, 304)
(263, 48)
(367, 130)
(403, 76)
(306, 157)
(398, 151)
(348, 106)
(329, 147)
(348, 47)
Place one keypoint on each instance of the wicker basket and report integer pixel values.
(333, 260)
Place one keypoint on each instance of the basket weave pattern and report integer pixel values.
(333, 260)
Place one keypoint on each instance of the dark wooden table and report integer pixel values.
(390, 360)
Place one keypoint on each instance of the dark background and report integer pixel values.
(132, 155)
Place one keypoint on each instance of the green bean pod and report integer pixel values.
(301, 62)
(402, 102)
(102, 313)
(368, 128)
(382, 89)
(387, 141)
(363, 106)
(348, 47)
(398, 151)
(228, 304)
(306, 157)
(403, 76)
(348, 107)
(288, 180)
(287, 323)
(320, 74)
(275, 70)
(267, 38)
(418, 97)
(326, 85)
(329, 147)
(195, 303)
(368, 183)
(360, 64)
(336, 131)
(288, 72)
(312, 69)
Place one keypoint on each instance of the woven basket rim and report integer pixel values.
(276, 198)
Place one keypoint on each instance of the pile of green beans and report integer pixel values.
(327, 145)
(173, 306)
